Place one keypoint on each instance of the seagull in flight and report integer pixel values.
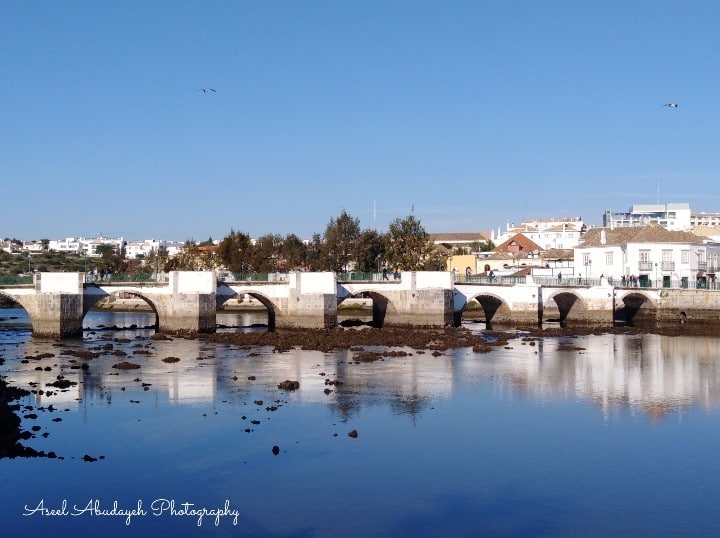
(669, 105)
(208, 90)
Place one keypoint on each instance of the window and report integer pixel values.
(685, 256)
(608, 258)
(667, 255)
(644, 256)
(586, 259)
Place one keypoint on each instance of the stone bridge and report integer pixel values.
(189, 301)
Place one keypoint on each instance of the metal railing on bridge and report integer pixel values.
(109, 278)
(254, 277)
(15, 280)
(490, 280)
(358, 276)
(566, 282)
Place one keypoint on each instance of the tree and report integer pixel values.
(266, 253)
(293, 252)
(156, 262)
(313, 255)
(370, 251)
(235, 251)
(112, 258)
(409, 248)
(482, 246)
(192, 258)
(341, 236)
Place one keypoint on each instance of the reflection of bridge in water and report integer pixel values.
(188, 303)
(651, 374)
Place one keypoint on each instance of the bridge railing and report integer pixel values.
(255, 277)
(571, 281)
(494, 280)
(682, 283)
(13, 280)
(358, 276)
(126, 277)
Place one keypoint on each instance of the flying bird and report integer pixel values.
(669, 105)
(208, 90)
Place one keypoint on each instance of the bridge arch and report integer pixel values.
(18, 299)
(380, 304)
(493, 305)
(269, 305)
(566, 302)
(634, 305)
(101, 293)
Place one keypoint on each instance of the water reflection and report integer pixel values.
(513, 435)
(651, 374)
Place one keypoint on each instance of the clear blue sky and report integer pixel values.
(471, 113)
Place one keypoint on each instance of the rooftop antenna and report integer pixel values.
(657, 190)
(374, 216)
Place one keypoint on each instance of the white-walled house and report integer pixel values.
(651, 254)
(69, 245)
(560, 233)
(141, 249)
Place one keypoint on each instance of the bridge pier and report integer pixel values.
(422, 298)
(311, 302)
(56, 305)
(188, 306)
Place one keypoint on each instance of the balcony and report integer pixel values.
(645, 266)
(667, 266)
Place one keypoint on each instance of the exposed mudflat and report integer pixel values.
(425, 338)
(434, 338)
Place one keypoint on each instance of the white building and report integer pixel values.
(32, 246)
(562, 233)
(141, 249)
(85, 247)
(70, 245)
(649, 253)
(669, 216)
(704, 219)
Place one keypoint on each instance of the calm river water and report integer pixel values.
(595, 436)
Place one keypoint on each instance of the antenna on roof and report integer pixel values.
(657, 190)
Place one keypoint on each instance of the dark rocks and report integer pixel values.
(126, 365)
(276, 450)
(61, 383)
(333, 382)
(353, 434)
(289, 385)
(171, 359)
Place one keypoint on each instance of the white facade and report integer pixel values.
(563, 233)
(704, 219)
(69, 245)
(80, 245)
(141, 249)
(669, 216)
(662, 263)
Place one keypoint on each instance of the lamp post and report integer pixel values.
(587, 267)
(656, 275)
